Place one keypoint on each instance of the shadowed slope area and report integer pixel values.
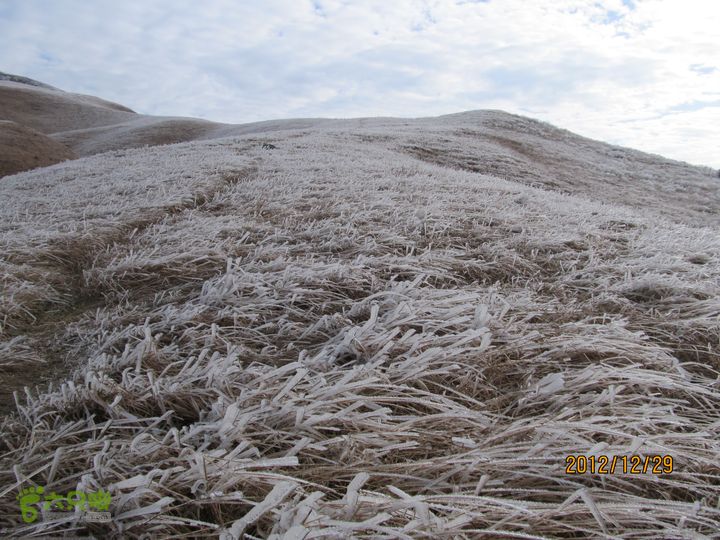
(136, 133)
(90, 125)
(51, 111)
(22, 148)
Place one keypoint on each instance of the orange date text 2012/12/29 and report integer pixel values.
(580, 464)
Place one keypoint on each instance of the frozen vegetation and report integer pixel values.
(380, 328)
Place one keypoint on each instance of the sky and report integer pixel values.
(639, 73)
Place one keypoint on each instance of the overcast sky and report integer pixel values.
(642, 73)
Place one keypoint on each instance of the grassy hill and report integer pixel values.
(380, 328)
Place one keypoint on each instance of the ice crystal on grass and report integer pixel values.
(358, 334)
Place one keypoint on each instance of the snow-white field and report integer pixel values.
(381, 328)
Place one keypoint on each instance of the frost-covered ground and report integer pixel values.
(380, 329)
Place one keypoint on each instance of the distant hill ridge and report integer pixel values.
(24, 80)
(491, 142)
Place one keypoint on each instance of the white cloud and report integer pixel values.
(616, 70)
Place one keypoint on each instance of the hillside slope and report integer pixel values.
(487, 142)
(379, 328)
(51, 111)
(22, 148)
(87, 125)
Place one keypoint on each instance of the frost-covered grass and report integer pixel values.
(340, 338)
